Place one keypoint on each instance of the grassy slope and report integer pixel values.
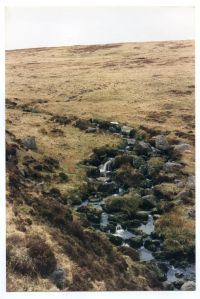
(147, 85)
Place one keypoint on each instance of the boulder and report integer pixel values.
(58, 278)
(148, 202)
(116, 240)
(142, 215)
(136, 242)
(29, 142)
(172, 166)
(120, 160)
(90, 130)
(131, 141)
(108, 188)
(188, 286)
(92, 171)
(143, 148)
(178, 283)
(161, 143)
(191, 182)
(181, 148)
(127, 131)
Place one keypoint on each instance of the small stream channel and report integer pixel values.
(172, 273)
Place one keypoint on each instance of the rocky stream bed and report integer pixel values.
(129, 188)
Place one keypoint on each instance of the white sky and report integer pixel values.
(28, 27)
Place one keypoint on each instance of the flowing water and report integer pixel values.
(147, 228)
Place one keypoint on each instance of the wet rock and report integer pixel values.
(128, 131)
(188, 286)
(29, 142)
(131, 224)
(151, 245)
(135, 242)
(143, 148)
(156, 270)
(104, 152)
(178, 283)
(108, 188)
(90, 130)
(93, 172)
(172, 166)
(161, 143)
(142, 215)
(148, 202)
(58, 278)
(110, 228)
(116, 240)
(180, 148)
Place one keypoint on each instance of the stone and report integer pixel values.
(29, 142)
(181, 148)
(178, 283)
(82, 124)
(108, 187)
(191, 182)
(116, 240)
(151, 244)
(168, 286)
(188, 286)
(90, 130)
(92, 171)
(58, 278)
(130, 141)
(148, 202)
(127, 131)
(184, 196)
(142, 215)
(143, 148)
(161, 143)
(172, 166)
(135, 242)
(120, 160)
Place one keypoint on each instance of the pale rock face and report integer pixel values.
(161, 143)
(29, 142)
(188, 286)
(180, 148)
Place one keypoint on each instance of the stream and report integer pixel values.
(171, 272)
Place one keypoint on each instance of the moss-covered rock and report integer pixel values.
(155, 164)
(127, 203)
(166, 190)
(129, 177)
